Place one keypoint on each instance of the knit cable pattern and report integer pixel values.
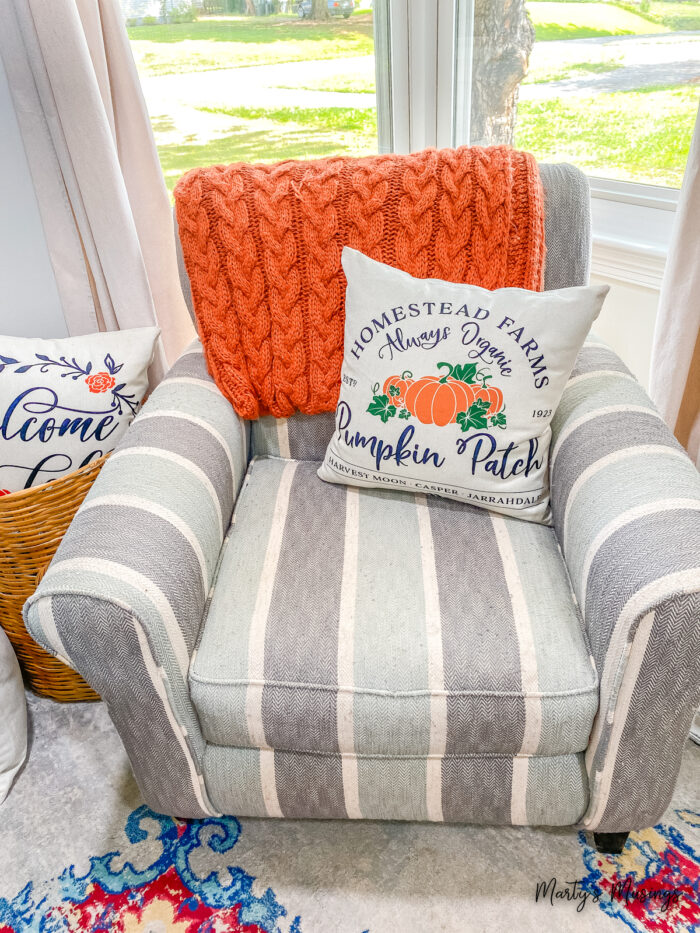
(262, 246)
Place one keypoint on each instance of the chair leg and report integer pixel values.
(610, 843)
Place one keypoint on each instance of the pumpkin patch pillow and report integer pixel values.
(450, 389)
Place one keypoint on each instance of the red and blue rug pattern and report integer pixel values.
(191, 884)
(654, 885)
(167, 895)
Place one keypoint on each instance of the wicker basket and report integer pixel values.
(32, 523)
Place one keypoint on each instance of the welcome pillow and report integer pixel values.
(66, 402)
(450, 389)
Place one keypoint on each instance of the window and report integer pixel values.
(255, 80)
(608, 86)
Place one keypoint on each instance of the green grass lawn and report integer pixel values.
(565, 20)
(635, 135)
(675, 16)
(257, 135)
(234, 41)
(350, 119)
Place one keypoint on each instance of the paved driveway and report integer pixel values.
(646, 61)
(259, 86)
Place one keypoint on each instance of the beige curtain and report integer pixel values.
(675, 365)
(101, 193)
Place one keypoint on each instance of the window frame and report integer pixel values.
(632, 222)
(414, 39)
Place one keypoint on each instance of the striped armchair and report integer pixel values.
(268, 644)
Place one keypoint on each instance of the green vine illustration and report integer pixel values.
(464, 372)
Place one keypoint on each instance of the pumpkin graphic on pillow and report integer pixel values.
(462, 396)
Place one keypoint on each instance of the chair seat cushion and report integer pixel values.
(379, 622)
(487, 789)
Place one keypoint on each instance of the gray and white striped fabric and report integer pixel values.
(626, 509)
(125, 595)
(500, 790)
(382, 625)
(299, 437)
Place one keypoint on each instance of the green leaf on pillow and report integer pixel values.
(394, 390)
(499, 420)
(404, 413)
(475, 418)
(381, 406)
(464, 372)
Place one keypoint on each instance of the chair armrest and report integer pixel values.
(123, 599)
(626, 510)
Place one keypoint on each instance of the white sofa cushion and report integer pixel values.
(13, 719)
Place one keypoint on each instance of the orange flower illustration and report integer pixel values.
(100, 382)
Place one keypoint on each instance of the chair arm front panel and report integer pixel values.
(124, 597)
(626, 510)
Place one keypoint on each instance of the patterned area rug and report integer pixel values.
(79, 851)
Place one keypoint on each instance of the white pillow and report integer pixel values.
(66, 402)
(450, 389)
(13, 717)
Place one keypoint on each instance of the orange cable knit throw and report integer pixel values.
(262, 248)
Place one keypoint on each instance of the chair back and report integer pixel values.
(567, 263)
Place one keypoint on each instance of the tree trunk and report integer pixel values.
(503, 40)
(250, 7)
(319, 9)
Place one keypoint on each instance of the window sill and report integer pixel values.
(632, 227)
(628, 261)
(626, 192)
